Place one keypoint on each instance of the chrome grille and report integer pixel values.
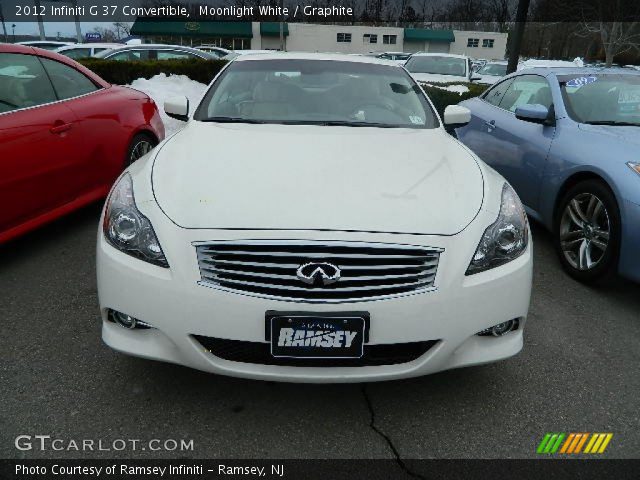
(268, 268)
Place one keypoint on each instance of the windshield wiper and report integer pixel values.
(324, 123)
(614, 123)
(345, 123)
(231, 120)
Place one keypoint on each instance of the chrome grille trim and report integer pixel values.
(267, 269)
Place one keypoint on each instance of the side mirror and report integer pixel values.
(178, 108)
(456, 116)
(475, 77)
(534, 113)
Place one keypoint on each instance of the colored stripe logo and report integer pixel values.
(571, 443)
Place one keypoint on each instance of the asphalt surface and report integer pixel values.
(578, 372)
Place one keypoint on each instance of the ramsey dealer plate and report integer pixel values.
(309, 335)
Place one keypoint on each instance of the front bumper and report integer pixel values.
(173, 302)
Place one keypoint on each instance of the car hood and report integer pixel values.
(317, 178)
(630, 134)
(432, 77)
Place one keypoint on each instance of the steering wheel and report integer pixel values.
(382, 112)
(240, 105)
(383, 103)
(9, 104)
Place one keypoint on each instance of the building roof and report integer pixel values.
(143, 26)
(272, 29)
(423, 34)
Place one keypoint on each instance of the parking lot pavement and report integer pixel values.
(577, 372)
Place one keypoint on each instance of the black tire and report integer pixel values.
(591, 236)
(138, 147)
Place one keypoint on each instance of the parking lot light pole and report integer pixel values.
(282, 25)
(516, 38)
(40, 22)
(76, 18)
(4, 27)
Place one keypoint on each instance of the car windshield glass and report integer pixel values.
(316, 92)
(77, 53)
(494, 69)
(602, 98)
(104, 53)
(437, 65)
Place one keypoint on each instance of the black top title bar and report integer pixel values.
(419, 13)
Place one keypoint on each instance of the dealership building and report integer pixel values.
(308, 37)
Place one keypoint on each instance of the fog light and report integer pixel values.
(500, 329)
(126, 321)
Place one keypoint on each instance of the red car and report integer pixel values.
(65, 136)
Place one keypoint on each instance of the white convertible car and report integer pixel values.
(314, 222)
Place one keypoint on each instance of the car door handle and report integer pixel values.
(490, 125)
(60, 127)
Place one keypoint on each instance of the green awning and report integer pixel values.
(272, 29)
(192, 29)
(423, 34)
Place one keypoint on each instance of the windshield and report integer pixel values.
(437, 65)
(493, 69)
(602, 98)
(316, 92)
(104, 53)
(76, 53)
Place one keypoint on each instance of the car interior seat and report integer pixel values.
(12, 93)
(269, 102)
(542, 97)
(510, 98)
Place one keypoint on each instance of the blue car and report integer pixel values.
(568, 141)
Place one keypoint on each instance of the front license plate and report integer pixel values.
(309, 336)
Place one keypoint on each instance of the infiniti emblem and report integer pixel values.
(318, 274)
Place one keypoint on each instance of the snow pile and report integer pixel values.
(162, 87)
(459, 89)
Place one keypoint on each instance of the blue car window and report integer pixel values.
(495, 94)
(602, 98)
(527, 90)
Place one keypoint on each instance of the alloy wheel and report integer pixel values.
(140, 150)
(585, 230)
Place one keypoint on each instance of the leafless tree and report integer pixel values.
(614, 21)
(501, 13)
(122, 29)
(617, 37)
(107, 34)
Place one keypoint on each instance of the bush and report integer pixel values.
(123, 73)
(442, 98)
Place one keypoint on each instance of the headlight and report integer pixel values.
(127, 229)
(504, 240)
(635, 167)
